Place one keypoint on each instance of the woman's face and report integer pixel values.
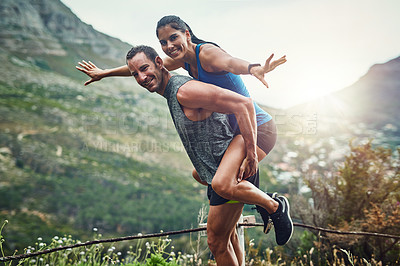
(173, 42)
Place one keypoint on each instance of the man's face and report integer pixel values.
(146, 73)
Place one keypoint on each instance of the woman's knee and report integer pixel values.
(222, 187)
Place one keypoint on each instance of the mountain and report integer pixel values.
(74, 157)
(44, 30)
(374, 98)
(372, 102)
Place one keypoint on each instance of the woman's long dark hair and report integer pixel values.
(178, 24)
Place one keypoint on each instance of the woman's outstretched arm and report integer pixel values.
(214, 59)
(95, 73)
(259, 71)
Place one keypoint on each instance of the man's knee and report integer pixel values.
(217, 243)
(234, 237)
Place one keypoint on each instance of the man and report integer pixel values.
(228, 163)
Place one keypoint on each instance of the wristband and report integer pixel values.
(250, 66)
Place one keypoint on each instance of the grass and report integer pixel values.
(161, 251)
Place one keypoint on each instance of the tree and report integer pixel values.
(363, 194)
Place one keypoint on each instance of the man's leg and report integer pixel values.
(237, 247)
(221, 224)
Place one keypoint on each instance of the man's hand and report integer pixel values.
(248, 167)
(260, 71)
(91, 70)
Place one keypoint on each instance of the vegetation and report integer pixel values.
(74, 159)
(380, 212)
(162, 252)
(107, 156)
(361, 195)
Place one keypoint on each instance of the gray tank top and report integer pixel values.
(205, 141)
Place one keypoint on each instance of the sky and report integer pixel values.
(329, 45)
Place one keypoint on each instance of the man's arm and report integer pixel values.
(199, 95)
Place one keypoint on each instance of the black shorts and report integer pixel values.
(216, 199)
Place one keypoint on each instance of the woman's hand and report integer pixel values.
(91, 70)
(260, 71)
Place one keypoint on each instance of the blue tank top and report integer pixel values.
(231, 82)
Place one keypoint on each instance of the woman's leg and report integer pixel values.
(225, 183)
(266, 139)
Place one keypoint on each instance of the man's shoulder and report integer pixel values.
(174, 84)
(180, 79)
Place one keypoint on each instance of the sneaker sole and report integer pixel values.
(270, 223)
(290, 218)
(268, 227)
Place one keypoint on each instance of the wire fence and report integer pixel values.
(185, 231)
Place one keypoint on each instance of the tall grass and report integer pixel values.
(161, 252)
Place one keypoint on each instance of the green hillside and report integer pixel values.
(73, 158)
(107, 156)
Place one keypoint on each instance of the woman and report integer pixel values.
(206, 62)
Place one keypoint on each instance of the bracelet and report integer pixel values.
(250, 66)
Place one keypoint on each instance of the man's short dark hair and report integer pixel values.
(147, 50)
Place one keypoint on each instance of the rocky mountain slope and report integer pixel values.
(374, 99)
(45, 30)
(74, 157)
